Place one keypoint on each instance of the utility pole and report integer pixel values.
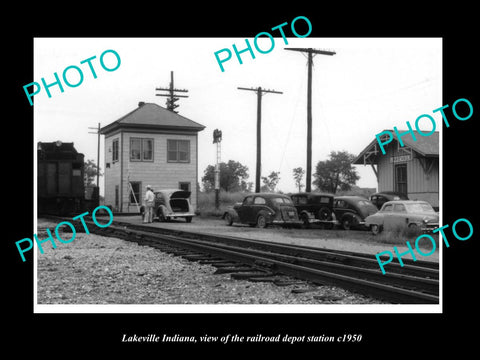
(310, 52)
(260, 93)
(172, 97)
(98, 151)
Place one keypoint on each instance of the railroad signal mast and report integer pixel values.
(311, 53)
(217, 139)
(259, 91)
(171, 94)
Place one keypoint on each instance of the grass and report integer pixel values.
(206, 202)
(400, 235)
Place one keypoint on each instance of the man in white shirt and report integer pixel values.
(149, 201)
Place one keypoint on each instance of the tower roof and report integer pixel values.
(154, 117)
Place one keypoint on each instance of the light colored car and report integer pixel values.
(172, 204)
(403, 213)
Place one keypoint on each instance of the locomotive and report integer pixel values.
(60, 185)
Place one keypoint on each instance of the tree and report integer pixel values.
(336, 173)
(270, 182)
(298, 176)
(90, 170)
(233, 176)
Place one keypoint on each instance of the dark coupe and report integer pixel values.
(263, 209)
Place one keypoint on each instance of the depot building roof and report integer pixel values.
(426, 146)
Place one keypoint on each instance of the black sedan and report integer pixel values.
(380, 198)
(315, 208)
(351, 211)
(263, 209)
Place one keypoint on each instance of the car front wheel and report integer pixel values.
(161, 216)
(261, 221)
(347, 223)
(306, 221)
(375, 229)
(228, 219)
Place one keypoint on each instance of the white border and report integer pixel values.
(242, 308)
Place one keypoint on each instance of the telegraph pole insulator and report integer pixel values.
(171, 94)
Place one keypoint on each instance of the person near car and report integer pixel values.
(149, 202)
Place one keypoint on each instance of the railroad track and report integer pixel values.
(257, 260)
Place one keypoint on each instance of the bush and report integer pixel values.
(206, 202)
(401, 234)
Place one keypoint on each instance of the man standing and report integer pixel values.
(149, 201)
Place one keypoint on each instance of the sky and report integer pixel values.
(369, 85)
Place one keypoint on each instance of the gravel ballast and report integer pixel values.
(94, 269)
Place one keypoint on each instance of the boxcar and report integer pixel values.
(60, 186)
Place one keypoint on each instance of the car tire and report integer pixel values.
(305, 220)
(324, 214)
(228, 219)
(375, 229)
(346, 223)
(261, 221)
(161, 216)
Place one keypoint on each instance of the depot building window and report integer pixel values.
(178, 151)
(141, 149)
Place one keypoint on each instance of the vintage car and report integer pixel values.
(403, 213)
(351, 211)
(380, 198)
(315, 208)
(263, 209)
(171, 204)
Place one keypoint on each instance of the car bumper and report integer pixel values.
(317, 221)
(287, 222)
(176, 215)
(429, 227)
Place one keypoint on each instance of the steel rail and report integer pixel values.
(424, 269)
(392, 287)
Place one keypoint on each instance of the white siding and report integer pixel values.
(420, 185)
(158, 173)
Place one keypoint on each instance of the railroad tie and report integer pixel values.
(233, 269)
(249, 275)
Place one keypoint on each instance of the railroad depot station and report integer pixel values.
(149, 146)
(412, 169)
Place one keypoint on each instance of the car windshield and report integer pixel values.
(281, 200)
(419, 207)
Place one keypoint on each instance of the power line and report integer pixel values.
(311, 53)
(260, 92)
(172, 96)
